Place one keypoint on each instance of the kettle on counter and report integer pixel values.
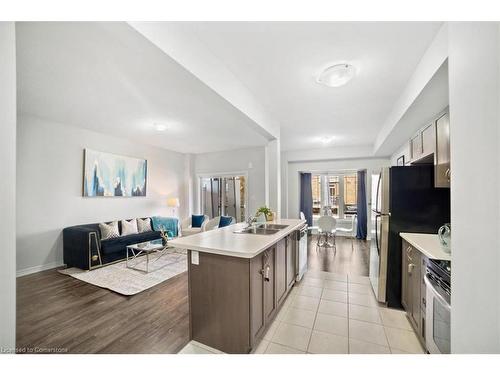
(444, 234)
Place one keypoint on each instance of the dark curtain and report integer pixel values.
(361, 206)
(306, 197)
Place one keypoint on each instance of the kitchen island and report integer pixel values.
(238, 282)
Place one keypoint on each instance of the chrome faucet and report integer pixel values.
(250, 220)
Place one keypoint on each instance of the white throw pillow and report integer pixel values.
(144, 225)
(109, 230)
(129, 227)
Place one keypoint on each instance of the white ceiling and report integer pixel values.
(108, 78)
(279, 63)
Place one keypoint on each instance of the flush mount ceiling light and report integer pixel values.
(326, 140)
(160, 127)
(337, 75)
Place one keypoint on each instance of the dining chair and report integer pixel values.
(350, 230)
(326, 229)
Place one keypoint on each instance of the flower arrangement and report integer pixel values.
(164, 235)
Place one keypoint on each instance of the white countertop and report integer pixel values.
(428, 244)
(224, 241)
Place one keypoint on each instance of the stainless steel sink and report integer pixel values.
(263, 228)
(258, 230)
(273, 226)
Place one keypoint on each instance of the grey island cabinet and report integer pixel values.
(237, 283)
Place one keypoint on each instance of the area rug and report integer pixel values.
(120, 279)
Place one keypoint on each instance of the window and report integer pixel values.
(316, 193)
(335, 194)
(350, 194)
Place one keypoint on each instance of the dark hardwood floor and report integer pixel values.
(58, 312)
(345, 260)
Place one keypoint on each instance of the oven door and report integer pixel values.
(437, 313)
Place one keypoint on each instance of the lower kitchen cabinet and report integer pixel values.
(413, 293)
(233, 300)
(257, 317)
(291, 259)
(281, 265)
(269, 281)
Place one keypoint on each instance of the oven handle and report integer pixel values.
(430, 284)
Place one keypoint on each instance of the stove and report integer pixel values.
(438, 306)
(441, 269)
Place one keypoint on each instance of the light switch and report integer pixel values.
(195, 257)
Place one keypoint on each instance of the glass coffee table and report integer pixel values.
(146, 249)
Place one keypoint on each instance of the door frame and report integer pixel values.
(199, 176)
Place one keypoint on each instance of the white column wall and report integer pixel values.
(7, 186)
(273, 176)
(475, 186)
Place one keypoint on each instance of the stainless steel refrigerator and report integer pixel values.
(404, 199)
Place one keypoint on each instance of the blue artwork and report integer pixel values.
(109, 175)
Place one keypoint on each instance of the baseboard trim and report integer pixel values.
(43, 267)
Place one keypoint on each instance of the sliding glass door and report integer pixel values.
(224, 196)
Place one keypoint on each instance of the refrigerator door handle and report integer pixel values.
(378, 192)
(376, 233)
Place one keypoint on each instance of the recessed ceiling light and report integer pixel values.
(160, 127)
(337, 75)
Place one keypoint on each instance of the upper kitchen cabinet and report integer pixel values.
(442, 156)
(431, 145)
(416, 147)
(423, 145)
(429, 140)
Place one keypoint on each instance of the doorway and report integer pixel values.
(224, 196)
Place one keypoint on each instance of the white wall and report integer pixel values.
(475, 185)
(293, 185)
(403, 150)
(7, 186)
(49, 187)
(250, 160)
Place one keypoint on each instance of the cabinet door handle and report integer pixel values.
(448, 174)
(410, 267)
(265, 272)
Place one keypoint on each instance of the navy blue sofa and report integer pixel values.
(84, 249)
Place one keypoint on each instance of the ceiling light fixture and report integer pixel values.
(160, 127)
(337, 75)
(326, 140)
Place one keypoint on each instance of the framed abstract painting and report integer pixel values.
(110, 175)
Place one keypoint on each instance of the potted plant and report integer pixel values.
(267, 213)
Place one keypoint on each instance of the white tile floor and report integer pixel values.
(333, 314)
(337, 314)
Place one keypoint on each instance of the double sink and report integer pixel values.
(263, 228)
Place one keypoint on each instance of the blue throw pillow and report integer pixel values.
(225, 221)
(197, 220)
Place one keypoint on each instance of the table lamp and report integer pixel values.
(173, 203)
